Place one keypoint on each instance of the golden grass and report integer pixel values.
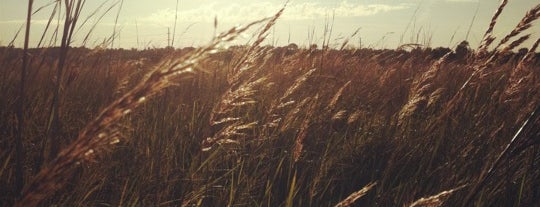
(261, 126)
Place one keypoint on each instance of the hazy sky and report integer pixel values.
(382, 23)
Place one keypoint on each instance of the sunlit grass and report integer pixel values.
(256, 125)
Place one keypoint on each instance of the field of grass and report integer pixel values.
(256, 125)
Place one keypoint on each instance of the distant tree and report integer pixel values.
(462, 51)
(292, 46)
(313, 47)
(438, 52)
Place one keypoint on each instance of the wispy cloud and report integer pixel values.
(54, 22)
(233, 12)
(249, 11)
(344, 9)
(22, 21)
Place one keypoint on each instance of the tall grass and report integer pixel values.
(256, 125)
(19, 153)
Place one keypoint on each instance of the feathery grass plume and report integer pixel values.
(99, 134)
(515, 43)
(353, 117)
(291, 116)
(341, 114)
(435, 96)
(435, 200)
(283, 111)
(488, 37)
(346, 41)
(421, 91)
(239, 97)
(297, 83)
(231, 134)
(235, 98)
(299, 141)
(522, 79)
(242, 95)
(336, 97)
(355, 196)
(286, 104)
(241, 64)
(523, 25)
(245, 69)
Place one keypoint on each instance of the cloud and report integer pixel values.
(22, 21)
(344, 9)
(234, 12)
(53, 23)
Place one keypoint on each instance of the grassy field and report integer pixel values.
(255, 125)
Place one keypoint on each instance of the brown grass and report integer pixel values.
(262, 126)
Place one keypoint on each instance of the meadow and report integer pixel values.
(257, 125)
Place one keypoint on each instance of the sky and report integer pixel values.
(380, 23)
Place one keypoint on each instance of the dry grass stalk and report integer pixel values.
(241, 64)
(522, 79)
(336, 97)
(523, 83)
(249, 183)
(240, 92)
(422, 91)
(304, 127)
(526, 136)
(515, 43)
(340, 115)
(245, 69)
(284, 102)
(523, 25)
(435, 96)
(435, 200)
(19, 159)
(356, 195)
(233, 99)
(97, 137)
(231, 134)
(488, 38)
(283, 112)
(354, 117)
(529, 57)
(292, 115)
(297, 83)
(482, 64)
